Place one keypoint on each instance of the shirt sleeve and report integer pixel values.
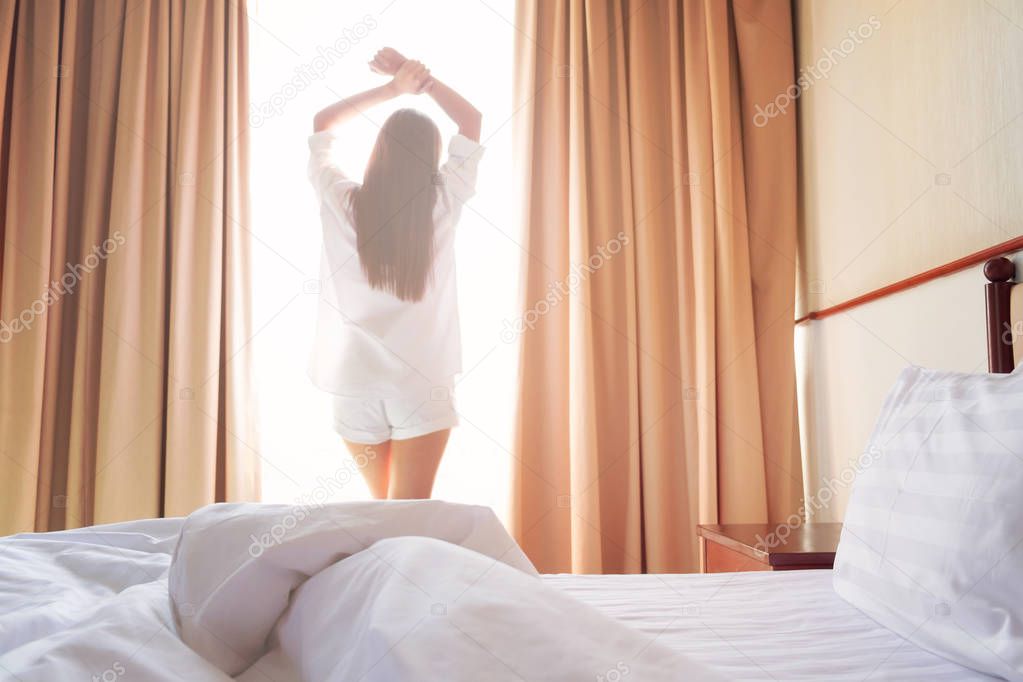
(459, 171)
(324, 173)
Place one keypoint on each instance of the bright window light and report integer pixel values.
(303, 57)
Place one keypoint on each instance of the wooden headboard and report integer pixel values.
(1000, 326)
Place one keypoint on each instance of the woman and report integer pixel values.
(387, 342)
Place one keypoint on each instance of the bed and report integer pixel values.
(781, 625)
(787, 625)
(104, 603)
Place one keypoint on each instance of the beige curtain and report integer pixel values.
(123, 292)
(657, 387)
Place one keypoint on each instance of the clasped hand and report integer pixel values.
(408, 75)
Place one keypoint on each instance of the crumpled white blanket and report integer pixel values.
(374, 591)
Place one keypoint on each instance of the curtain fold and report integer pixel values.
(657, 383)
(123, 297)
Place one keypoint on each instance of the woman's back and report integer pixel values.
(370, 340)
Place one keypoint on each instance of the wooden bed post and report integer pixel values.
(999, 272)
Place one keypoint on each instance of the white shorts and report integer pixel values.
(375, 420)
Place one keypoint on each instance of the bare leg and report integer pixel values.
(374, 461)
(414, 463)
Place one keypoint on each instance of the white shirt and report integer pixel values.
(370, 343)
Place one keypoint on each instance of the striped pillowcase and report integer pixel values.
(932, 542)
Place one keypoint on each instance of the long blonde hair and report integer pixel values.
(393, 209)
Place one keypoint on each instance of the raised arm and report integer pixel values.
(412, 77)
(465, 115)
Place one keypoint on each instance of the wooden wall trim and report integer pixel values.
(1015, 244)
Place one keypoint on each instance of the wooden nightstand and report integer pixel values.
(744, 547)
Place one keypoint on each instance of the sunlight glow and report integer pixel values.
(304, 56)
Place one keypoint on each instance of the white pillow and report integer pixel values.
(932, 543)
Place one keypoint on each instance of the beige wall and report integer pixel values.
(912, 156)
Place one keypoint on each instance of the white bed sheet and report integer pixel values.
(340, 594)
(747, 626)
(785, 625)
